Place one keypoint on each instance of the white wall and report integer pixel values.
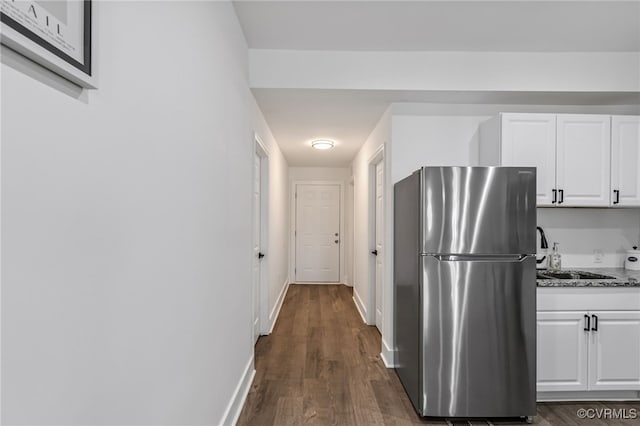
(349, 225)
(581, 231)
(446, 71)
(277, 252)
(126, 212)
(432, 141)
(343, 176)
(319, 173)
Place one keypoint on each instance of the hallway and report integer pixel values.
(321, 365)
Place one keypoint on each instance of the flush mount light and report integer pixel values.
(322, 144)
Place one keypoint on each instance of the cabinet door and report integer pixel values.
(530, 140)
(614, 352)
(583, 160)
(562, 351)
(625, 160)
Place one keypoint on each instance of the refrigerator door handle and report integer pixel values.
(478, 258)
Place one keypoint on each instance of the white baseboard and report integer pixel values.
(275, 312)
(239, 396)
(346, 281)
(360, 306)
(387, 354)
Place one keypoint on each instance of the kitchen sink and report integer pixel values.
(571, 275)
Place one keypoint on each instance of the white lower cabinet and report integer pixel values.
(562, 351)
(588, 350)
(614, 351)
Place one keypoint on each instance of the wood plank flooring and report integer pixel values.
(321, 366)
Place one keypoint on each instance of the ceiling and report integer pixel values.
(297, 116)
(524, 26)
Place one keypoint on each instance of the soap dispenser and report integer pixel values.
(632, 261)
(555, 260)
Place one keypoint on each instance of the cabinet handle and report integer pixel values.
(595, 323)
(561, 191)
(587, 327)
(617, 193)
(555, 196)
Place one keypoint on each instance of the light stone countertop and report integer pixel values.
(622, 278)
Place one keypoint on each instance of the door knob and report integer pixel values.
(374, 252)
(336, 241)
(336, 234)
(260, 255)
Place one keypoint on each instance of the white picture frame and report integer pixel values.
(59, 35)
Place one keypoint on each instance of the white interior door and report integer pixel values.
(379, 241)
(256, 245)
(317, 233)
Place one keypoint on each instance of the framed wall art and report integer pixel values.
(57, 34)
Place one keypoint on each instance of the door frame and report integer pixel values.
(260, 149)
(387, 354)
(377, 157)
(292, 225)
(350, 250)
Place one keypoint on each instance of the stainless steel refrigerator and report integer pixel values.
(465, 290)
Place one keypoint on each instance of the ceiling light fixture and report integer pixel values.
(322, 144)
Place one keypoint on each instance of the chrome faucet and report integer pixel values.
(543, 243)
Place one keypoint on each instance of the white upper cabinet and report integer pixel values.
(583, 147)
(582, 160)
(625, 160)
(530, 140)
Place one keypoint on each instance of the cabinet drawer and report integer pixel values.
(588, 298)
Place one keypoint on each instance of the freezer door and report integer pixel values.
(479, 210)
(479, 337)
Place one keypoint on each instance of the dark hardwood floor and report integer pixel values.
(321, 366)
